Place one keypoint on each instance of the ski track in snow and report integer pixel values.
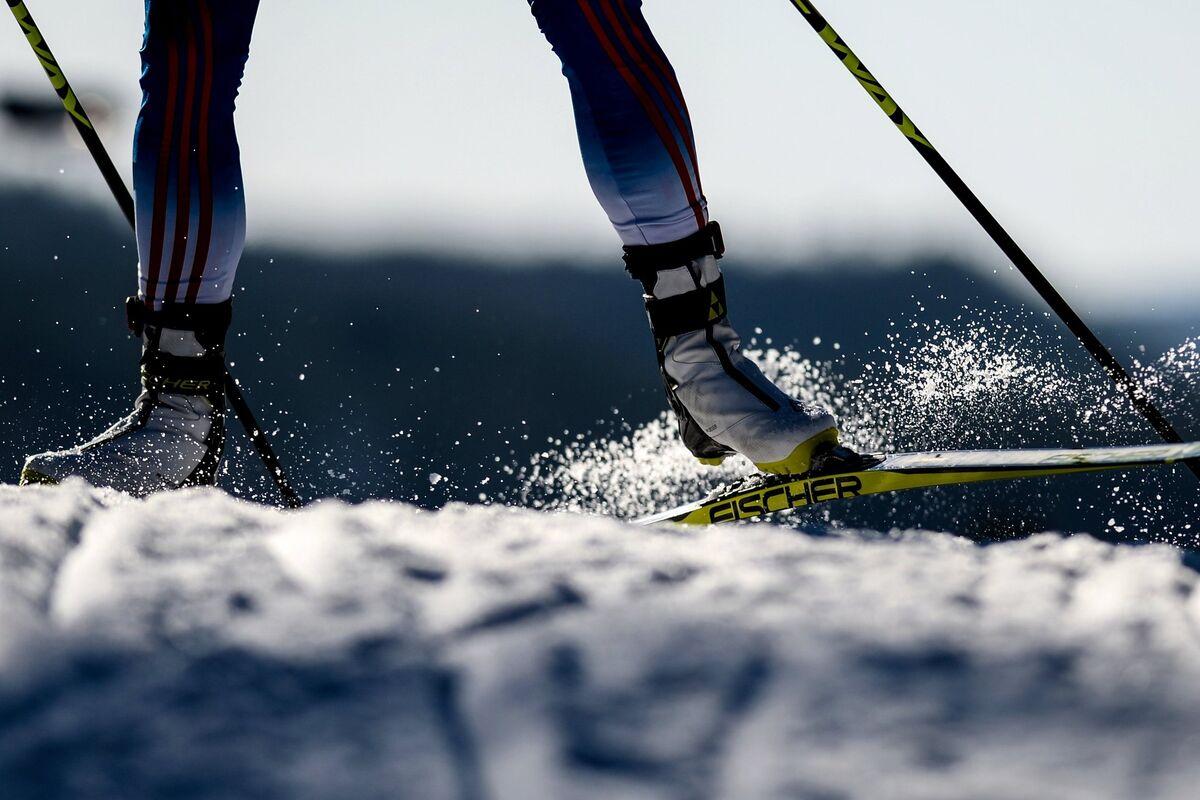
(193, 645)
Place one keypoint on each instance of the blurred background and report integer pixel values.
(431, 295)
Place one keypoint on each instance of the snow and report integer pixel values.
(194, 645)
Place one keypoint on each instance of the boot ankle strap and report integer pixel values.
(209, 321)
(687, 312)
(643, 262)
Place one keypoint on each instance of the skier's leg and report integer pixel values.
(191, 214)
(634, 130)
(636, 138)
(191, 227)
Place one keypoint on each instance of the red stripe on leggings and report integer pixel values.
(161, 179)
(204, 233)
(655, 116)
(183, 186)
(683, 122)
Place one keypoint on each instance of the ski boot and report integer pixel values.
(176, 433)
(723, 402)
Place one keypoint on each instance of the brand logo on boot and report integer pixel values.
(715, 308)
(185, 385)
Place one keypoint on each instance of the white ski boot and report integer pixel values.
(723, 402)
(176, 433)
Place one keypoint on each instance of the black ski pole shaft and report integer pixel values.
(260, 441)
(124, 199)
(1125, 382)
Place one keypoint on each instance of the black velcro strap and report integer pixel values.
(691, 311)
(208, 320)
(201, 375)
(136, 314)
(643, 261)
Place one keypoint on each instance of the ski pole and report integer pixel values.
(73, 107)
(124, 199)
(1124, 381)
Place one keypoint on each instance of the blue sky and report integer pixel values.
(383, 122)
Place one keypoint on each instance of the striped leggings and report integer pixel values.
(634, 133)
(634, 129)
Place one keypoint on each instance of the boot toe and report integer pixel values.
(55, 467)
(783, 443)
(137, 465)
(47, 468)
(32, 476)
(799, 461)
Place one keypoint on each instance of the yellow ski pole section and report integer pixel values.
(73, 106)
(864, 77)
(53, 71)
(906, 471)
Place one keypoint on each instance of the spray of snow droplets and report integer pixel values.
(982, 379)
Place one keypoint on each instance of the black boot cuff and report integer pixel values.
(642, 262)
(209, 320)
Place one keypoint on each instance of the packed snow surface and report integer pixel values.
(197, 646)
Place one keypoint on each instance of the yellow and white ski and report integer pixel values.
(847, 475)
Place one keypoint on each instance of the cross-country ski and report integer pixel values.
(849, 475)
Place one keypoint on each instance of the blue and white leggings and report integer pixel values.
(634, 132)
(633, 124)
(187, 177)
